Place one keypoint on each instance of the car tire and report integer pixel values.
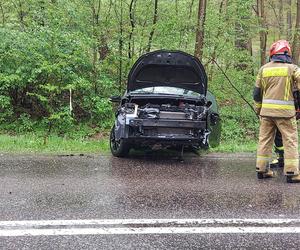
(118, 148)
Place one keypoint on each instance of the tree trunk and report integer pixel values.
(21, 15)
(2, 14)
(280, 21)
(190, 12)
(95, 23)
(200, 29)
(289, 20)
(242, 29)
(296, 40)
(153, 27)
(132, 23)
(263, 30)
(121, 47)
(103, 48)
(222, 14)
(191, 9)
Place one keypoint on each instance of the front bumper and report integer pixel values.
(167, 123)
(167, 132)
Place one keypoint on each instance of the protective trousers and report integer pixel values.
(288, 129)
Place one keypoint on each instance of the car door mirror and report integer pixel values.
(115, 98)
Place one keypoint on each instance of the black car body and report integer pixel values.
(166, 103)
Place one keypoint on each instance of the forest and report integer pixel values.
(61, 60)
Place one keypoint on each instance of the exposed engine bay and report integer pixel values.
(176, 109)
(171, 119)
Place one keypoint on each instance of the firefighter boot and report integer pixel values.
(277, 163)
(293, 179)
(267, 174)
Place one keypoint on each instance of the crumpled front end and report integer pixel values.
(167, 122)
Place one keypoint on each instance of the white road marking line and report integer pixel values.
(149, 226)
(234, 221)
(151, 230)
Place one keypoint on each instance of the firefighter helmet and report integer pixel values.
(280, 47)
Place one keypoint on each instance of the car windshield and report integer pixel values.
(166, 91)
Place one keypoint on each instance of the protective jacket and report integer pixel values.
(273, 93)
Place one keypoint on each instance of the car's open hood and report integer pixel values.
(168, 68)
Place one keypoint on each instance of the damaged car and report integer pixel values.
(167, 104)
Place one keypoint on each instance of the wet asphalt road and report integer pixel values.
(155, 186)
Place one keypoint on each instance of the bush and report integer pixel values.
(6, 111)
(102, 112)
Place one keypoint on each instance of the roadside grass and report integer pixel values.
(232, 147)
(32, 143)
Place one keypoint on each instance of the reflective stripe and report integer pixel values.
(276, 72)
(279, 148)
(291, 162)
(264, 85)
(279, 102)
(277, 106)
(263, 158)
(262, 161)
(287, 89)
(257, 104)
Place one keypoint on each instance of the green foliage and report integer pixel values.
(62, 122)
(102, 112)
(24, 124)
(5, 108)
(56, 52)
(239, 123)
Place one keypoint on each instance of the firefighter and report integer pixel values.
(274, 103)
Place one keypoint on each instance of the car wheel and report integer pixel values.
(118, 148)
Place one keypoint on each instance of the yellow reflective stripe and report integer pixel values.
(277, 106)
(264, 85)
(291, 162)
(287, 89)
(269, 72)
(279, 148)
(257, 104)
(263, 157)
